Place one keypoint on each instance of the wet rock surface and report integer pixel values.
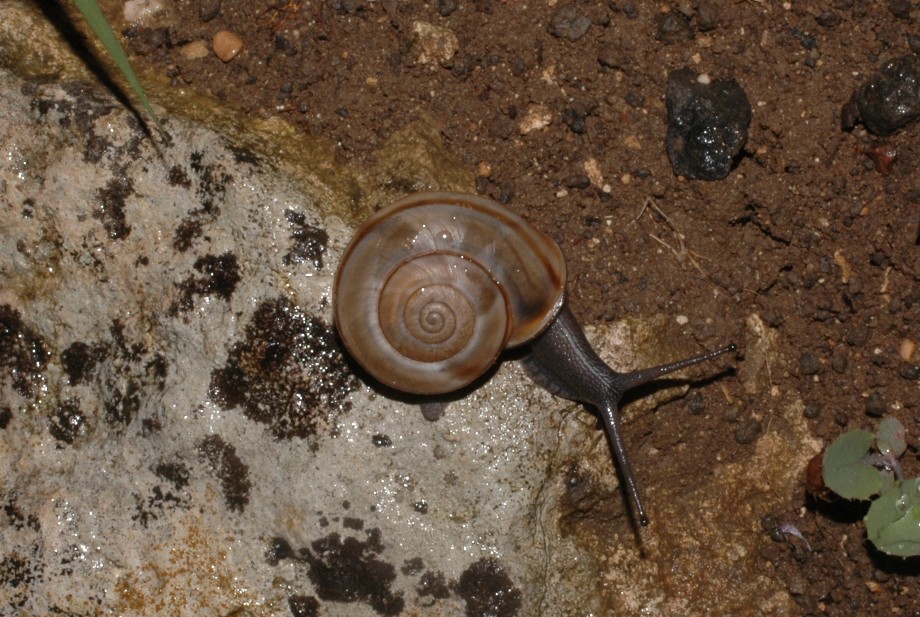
(707, 125)
(184, 388)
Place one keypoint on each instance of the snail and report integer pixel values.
(434, 287)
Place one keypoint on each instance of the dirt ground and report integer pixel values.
(809, 231)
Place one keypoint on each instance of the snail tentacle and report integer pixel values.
(563, 361)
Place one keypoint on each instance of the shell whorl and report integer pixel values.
(433, 287)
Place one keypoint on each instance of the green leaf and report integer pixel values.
(100, 25)
(889, 438)
(893, 520)
(846, 471)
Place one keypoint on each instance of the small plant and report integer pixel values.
(867, 467)
(100, 25)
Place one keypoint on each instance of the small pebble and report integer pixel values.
(812, 411)
(673, 28)
(906, 349)
(875, 405)
(535, 118)
(138, 10)
(748, 432)
(908, 371)
(569, 22)
(694, 403)
(208, 10)
(809, 364)
(226, 45)
(858, 336)
(827, 19)
(577, 181)
(890, 99)
(707, 125)
(707, 16)
(839, 363)
(196, 50)
(900, 8)
(575, 120)
(433, 44)
(446, 7)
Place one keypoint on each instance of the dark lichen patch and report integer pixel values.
(95, 148)
(412, 567)
(126, 372)
(150, 426)
(20, 573)
(67, 422)
(156, 503)
(79, 107)
(229, 469)
(6, 414)
(488, 591)
(187, 232)
(28, 208)
(433, 585)
(22, 352)
(303, 606)
(278, 550)
(220, 275)
(111, 208)
(288, 372)
(243, 156)
(348, 570)
(174, 472)
(17, 519)
(308, 243)
(381, 441)
(176, 176)
(125, 350)
(211, 183)
(80, 359)
(122, 400)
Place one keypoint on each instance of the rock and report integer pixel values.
(568, 22)
(890, 99)
(433, 44)
(748, 432)
(809, 364)
(139, 10)
(226, 45)
(195, 50)
(875, 405)
(673, 27)
(535, 118)
(208, 10)
(707, 125)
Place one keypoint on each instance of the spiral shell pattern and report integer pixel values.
(433, 287)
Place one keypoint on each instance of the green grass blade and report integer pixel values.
(103, 30)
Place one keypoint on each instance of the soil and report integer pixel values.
(810, 231)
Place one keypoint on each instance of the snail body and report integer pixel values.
(434, 287)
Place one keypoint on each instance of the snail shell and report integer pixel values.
(433, 287)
